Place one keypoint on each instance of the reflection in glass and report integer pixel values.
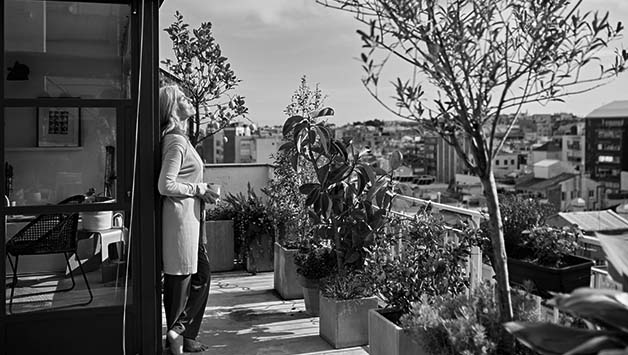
(66, 49)
(47, 175)
(38, 275)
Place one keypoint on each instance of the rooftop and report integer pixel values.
(537, 184)
(614, 109)
(596, 221)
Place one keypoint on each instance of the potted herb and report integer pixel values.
(462, 324)
(254, 230)
(547, 258)
(314, 262)
(348, 204)
(538, 253)
(417, 258)
(220, 237)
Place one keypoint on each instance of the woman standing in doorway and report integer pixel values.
(185, 262)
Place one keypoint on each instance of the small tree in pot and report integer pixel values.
(348, 204)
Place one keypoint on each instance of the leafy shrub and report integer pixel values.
(518, 215)
(220, 212)
(425, 265)
(350, 286)
(251, 219)
(315, 261)
(466, 325)
(286, 205)
(549, 246)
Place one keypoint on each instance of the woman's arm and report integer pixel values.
(172, 159)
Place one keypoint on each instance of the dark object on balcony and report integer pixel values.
(19, 71)
(54, 233)
(565, 279)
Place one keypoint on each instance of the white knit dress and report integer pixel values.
(181, 173)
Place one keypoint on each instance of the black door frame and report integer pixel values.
(143, 316)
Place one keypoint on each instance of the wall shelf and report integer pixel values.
(42, 149)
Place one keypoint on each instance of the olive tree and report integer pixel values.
(205, 76)
(481, 59)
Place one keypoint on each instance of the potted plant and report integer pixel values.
(314, 261)
(417, 258)
(606, 312)
(463, 324)
(345, 301)
(254, 230)
(536, 252)
(289, 214)
(546, 257)
(348, 203)
(220, 237)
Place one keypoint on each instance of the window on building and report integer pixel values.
(591, 193)
(562, 196)
(505, 161)
(496, 161)
(512, 161)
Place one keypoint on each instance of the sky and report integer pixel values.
(271, 44)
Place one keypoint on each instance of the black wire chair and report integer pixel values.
(54, 233)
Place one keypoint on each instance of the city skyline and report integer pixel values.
(271, 44)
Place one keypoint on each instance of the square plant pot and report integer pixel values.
(311, 294)
(387, 338)
(220, 245)
(344, 323)
(261, 254)
(285, 277)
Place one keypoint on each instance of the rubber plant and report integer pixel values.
(350, 196)
(605, 310)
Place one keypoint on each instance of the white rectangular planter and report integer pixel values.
(285, 277)
(387, 338)
(344, 323)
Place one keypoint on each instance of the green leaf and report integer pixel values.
(396, 158)
(286, 146)
(325, 111)
(308, 188)
(607, 307)
(552, 339)
(323, 173)
(616, 248)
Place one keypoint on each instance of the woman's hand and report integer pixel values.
(210, 196)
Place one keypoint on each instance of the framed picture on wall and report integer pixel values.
(58, 127)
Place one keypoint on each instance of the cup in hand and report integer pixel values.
(215, 188)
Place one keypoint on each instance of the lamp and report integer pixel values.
(19, 71)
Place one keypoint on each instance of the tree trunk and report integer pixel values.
(499, 249)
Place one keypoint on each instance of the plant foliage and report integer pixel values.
(418, 257)
(205, 76)
(465, 325)
(479, 59)
(349, 198)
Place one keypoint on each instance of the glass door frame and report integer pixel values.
(144, 311)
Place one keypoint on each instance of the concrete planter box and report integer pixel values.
(311, 293)
(261, 254)
(387, 338)
(220, 245)
(344, 323)
(285, 278)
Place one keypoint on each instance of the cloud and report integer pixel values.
(267, 12)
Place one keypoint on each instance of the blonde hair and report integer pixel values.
(168, 98)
